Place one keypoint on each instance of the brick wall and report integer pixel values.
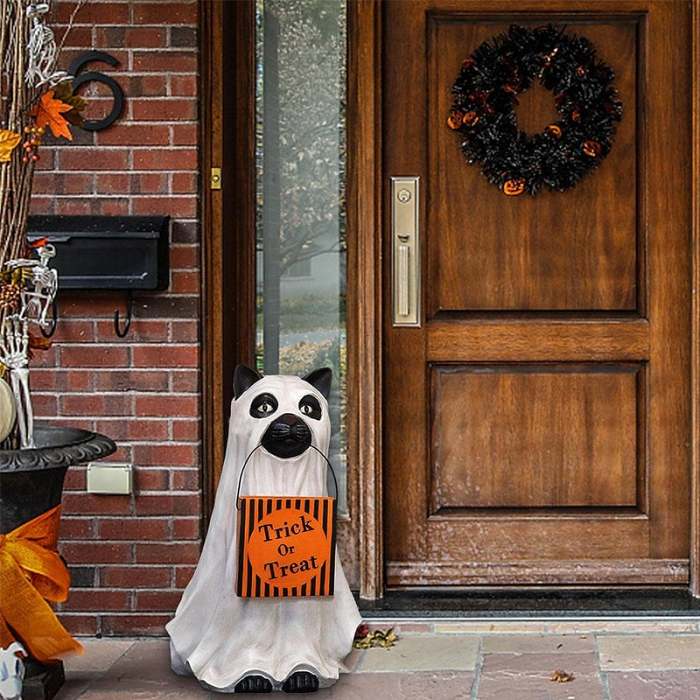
(131, 556)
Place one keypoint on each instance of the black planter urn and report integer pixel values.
(31, 483)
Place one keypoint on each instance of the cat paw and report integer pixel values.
(253, 684)
(300, 682)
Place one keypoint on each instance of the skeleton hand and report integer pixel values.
(14, 343)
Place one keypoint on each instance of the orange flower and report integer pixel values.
(470, 118)
(554, 130)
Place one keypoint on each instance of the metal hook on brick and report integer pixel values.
(120, 331)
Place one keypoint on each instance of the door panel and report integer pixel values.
(527, 436)
(534, 253)
(537, 422)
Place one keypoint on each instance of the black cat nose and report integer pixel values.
(287, 436)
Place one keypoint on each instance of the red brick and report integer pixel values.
(58, 380)
(96, 405)
(45, 358)
(132, 380)
(96, 599)
(177, 207)
(163, 110)
(165, 356)
(171, 553)
(185, 85)
(71, 330)
(136, 576)
(150, 479)
(92, 13)
(183, 575)
(166, 159)
(166, 455)
(96, 552)
(131, 37)
(93, 159)
(77, 528)
(184, 282)
(167, 405)
(85, 503)
(165, 13)
(74, 207)
(149, 183)
(94, 356)
(186, 430)
(184, 257)
(75, 481)
(184, 479)
(186, 529)
(42, 205)
(168, 504)
(135, 135)
(141, 330)
(135, 625)
(109, 183)
(137, 529)
(158, 600)
(44, 404)
(165, 61)
(184, 331)
(79, 624)
(144, 85)
(184, 183)
(78, 37)
(111, 207)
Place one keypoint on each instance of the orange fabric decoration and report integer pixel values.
(32, 572)
(49, 112)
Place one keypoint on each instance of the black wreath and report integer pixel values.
(486, 92)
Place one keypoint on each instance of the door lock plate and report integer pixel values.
(405, 251)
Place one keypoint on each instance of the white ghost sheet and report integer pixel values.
(221, 638)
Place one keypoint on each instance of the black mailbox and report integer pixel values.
(107, 252)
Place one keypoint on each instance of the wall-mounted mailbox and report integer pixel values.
(107, 252)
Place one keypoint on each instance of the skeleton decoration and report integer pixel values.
(41, 49)
(38, 285)
(242, 645)
(12, 671)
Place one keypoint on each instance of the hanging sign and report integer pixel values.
(286, 547)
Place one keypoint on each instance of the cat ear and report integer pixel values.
(243, 379)
(321, 379)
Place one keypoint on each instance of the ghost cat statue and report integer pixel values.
(243, 645)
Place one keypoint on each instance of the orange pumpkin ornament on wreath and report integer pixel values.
(486, 92)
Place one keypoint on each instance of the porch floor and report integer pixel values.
(614, 659)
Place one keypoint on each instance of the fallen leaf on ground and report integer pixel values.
(559, 676)
(378, 638)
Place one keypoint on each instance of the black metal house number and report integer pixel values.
(94, 77)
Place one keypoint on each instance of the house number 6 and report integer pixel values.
(94, 77)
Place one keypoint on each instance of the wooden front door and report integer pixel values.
(536, 423)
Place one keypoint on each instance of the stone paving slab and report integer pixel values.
(654, 685)
(423, 653)
(505, 686)
(538, 644)
(650, 653)
(540, 664)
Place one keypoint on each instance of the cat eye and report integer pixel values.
(263, 405)
(309, 406)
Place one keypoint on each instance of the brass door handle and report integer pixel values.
(405, 251)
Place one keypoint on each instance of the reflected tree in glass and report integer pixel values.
(300, 141)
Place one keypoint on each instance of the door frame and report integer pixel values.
(227, 53)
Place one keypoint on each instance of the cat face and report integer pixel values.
(289, 419)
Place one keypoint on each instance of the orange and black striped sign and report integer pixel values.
(286, 547)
